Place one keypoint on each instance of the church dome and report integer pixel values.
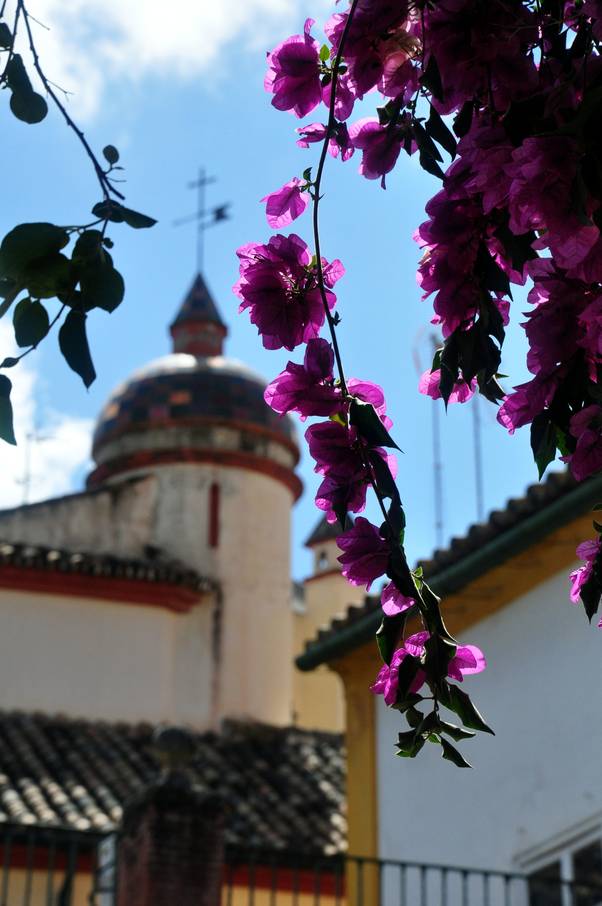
(193, 405)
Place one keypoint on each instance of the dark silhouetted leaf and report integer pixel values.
(455, 732)
(450, 753)
(9, 362)
(365, 418)
(111, 154)
(425, 143)
(28, 106)
(48, 277)
(117, 213)
(101, 286)
(459, 702)
(31, 322)
(26, 243)
(73, 343)
(431, 78)
(6, 36)
(543, 441)
(437, 129)
(7, 431)
(463, 119)
(389, 634)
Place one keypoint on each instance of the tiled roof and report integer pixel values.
(285, 785)
(541, 509)
(198, 305)
(96, 565)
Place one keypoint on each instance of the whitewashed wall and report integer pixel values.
(107, 660)
(540, 776)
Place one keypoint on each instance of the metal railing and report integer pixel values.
(52, 867)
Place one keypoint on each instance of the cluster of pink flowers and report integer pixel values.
(521, 200)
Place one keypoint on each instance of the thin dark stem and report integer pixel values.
(105, 184)
(316, 196)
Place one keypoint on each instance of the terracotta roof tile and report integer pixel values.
(287, 784)
(30, 556)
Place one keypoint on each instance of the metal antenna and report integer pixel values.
(436, 431)
(478, 457)
(203, 217)
(32, 437)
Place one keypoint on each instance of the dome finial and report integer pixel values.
(198, 328)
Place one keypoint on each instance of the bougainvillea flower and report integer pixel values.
(586, 426)
(429, 385)
(479, 50)
(338, 143)
(528, 400)
(380, 146)
(365, 554)
(393, 602)
(286, 204)
(344, 99)
(293, 75)
(467, 659)
(278, 285)
(587, 551)
(541, 197)
(308, 388)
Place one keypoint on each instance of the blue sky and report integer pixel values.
(196, 98)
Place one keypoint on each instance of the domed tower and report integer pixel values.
(223, 464)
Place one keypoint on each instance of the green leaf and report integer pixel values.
(455, 732)
(388, 635)
(6, 36)
(382, 474)
(31, 322)
(110, 154)
(26, 243)
(459, 702)
(324, 53)
(28, 106)
(437, 130)
(409, 744)
(408, 669)
(365, 418)
(449, 364)
(543, 441)
(450, 753)
(7, 431)
(73, 343)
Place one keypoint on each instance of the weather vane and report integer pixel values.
(204, 217)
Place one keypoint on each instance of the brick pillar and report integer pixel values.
(170, 849)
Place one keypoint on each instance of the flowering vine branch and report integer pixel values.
(511, 91)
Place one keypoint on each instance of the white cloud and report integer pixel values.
(52, 447)
(91, 42)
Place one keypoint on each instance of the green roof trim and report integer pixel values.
(450, 579)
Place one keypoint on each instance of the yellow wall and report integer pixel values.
(358, 668)
(318, 696)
